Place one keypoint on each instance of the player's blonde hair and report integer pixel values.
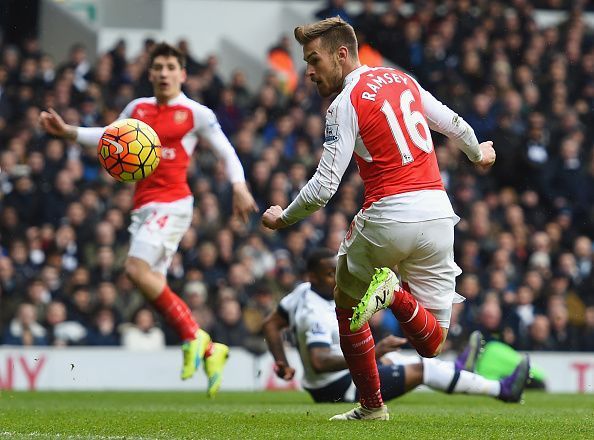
(333, 32)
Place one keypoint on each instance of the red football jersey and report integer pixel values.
(178, 124)
(396, 135)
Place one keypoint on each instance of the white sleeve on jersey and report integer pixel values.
(208, 127)
(341, 131)
(290, 302)
(289, 305)
(445, 121)
(127, 112)
(89, 136)
(317, 331)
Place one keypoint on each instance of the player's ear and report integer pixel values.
(343, 54)
(184, 75)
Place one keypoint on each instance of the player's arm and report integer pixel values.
(444, 120)
(323, 360)
(210, 129)
(53, 123)
(273, 327)
(336, 156)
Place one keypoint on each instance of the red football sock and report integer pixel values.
(359, 352)
(420, 326)
(177, 313)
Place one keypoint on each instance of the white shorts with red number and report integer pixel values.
(422, 253)
(156, 230)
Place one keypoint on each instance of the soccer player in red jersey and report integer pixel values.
(383, 116)
(163, 202)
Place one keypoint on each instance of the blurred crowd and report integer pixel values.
(524, 241)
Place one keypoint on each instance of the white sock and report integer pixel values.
(442, 376)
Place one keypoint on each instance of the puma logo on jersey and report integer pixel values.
(118, 147)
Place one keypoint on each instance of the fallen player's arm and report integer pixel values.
(273, 328)
(388, 344)
(323, 360)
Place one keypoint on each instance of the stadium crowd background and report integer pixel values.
(523, 243)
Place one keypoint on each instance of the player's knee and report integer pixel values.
(337, 294)
(431, 350)
(429, 353)
(343, 300)
(413, 374)
(133, 269)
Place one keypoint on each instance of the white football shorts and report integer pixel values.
(156, 230)
(422, 253)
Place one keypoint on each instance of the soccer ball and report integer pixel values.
(129, 150)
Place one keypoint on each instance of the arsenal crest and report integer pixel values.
(180, 116)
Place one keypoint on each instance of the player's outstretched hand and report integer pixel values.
(272, 218)
(243, 202)
(489, 155)
(53, 123)
(388, 344)
(284, 371)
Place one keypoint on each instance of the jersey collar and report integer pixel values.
(354, 74)
(179, 98)
(330, 301)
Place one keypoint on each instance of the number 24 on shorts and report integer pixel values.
(155, 222)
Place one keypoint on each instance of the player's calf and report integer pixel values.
(419, 325)
(359, 353)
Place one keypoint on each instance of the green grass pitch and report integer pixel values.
(286, 415)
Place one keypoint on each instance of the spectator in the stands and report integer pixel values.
(143, 334)
(24, 329)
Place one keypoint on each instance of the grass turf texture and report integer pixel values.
(286, 415)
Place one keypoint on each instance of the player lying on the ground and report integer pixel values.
(308, 312)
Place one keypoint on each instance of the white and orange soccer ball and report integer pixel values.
(129, 150)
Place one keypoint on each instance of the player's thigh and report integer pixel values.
(366, 246)
(430, 270)
(156, 232)
(347, 284)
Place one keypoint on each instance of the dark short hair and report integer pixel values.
(316, 256)
(167, 50)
